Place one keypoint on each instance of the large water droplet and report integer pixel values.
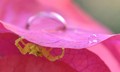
(46, 20)
(93, 39)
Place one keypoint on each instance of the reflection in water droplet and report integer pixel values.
(46, 20)
(93, 39)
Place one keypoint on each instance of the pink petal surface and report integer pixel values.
(73, 61)
(75, 17)
(114, 44)
(71, 38)
(7, 44)
(3, 29)
(17, 12)
(107, 56)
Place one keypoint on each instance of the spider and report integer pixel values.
(37, 50)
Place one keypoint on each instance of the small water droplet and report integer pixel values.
(93, 39)
(46, 20)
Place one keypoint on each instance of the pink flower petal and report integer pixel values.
(106, 55)
(19, 63)
(75, 37)
(71, 38)
(84, 60)
(75, 17)
(3, 29)
(113, 44)
(73, 60)
(7, 45)
(17, 12)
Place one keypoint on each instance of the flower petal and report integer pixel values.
(76, 17)
(7, 46)
(17, 12)
(71, 38)
(84, 60)
(113, 44)
(18, 63)
(75, 37)
(73, 60)
(3, 29)
(108, 57)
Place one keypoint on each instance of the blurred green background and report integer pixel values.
(105, 11)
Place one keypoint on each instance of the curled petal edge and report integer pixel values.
(71, 38)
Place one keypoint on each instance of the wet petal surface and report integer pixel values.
(75, 37)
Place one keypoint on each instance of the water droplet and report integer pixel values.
(93, 39)
(46, 20)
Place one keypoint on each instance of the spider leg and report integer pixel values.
(22, 42)
(37, 50)
(54, 58)
(22, 50)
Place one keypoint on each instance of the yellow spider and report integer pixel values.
(37, 50)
